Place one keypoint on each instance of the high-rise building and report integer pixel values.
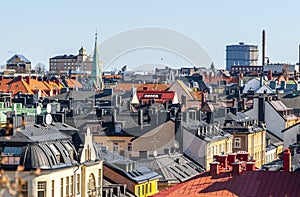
(241, 55)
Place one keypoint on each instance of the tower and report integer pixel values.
(96, 75)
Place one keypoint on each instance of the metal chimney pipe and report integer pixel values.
(263, 48)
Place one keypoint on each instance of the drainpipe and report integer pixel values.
(75, 180)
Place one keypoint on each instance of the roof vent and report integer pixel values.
(37, 126)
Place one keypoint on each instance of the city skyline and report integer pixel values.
(43, 30)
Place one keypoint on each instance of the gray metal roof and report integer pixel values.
(22, 57)
(174, 167)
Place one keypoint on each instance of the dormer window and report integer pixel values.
(56, 152)
(70, 150)
(11, 155)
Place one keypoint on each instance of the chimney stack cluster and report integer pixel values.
(234, 162)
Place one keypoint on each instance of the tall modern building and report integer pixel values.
(96, 75)
(241, 55)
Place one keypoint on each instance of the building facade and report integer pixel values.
(241, 55)
(19, 63)
(248, 136)
(43, 160)
(63, 63)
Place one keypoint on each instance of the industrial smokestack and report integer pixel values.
(263, 48)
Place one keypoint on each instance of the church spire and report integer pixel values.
(96, 75)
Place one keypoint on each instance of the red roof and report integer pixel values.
(157, 95)
(248, 183)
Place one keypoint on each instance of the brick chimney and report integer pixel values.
(250, 166)
(270, 76)
(214, 168)
(243, 156)
(236, 168)
(287, 160)
(27, 80)
(57, 82)
(231, 158)
(222, 159)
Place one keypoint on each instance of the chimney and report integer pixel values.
(20, 77)
(28, 80)
(263, 48)
(209, 117)
(270, 75)
(236, 168)
(287, 160)
(244, 104)
(261, 80)
(250, 166)
(243, 156)
(222, 159)
(231, 158)
(57, 82)
(261, 109)
(140, 118)
(214, 168)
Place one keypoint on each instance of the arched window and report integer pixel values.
(91, 183)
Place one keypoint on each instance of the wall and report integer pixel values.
(130, 185)
(290, 136)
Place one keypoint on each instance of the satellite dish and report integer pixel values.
(155, 153)
(38, 110)
(48, 119)
(48, 108)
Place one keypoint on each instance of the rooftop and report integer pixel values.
(249, 183)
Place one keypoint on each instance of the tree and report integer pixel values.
(40, 68)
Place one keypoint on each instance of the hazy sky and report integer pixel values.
(43, 29)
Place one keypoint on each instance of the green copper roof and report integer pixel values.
(96, 78)
(290, 82)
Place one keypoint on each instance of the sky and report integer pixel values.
(42, 29)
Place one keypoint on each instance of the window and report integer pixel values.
(88, 153)
(70, 149)
(150, 186)
(237, 142)
(41, 189)
(143, 188)
(129, 146)
(24, 188)
(61, 187)
(115, 147)
(209, 151)
(56, 152)
(138, 191)
(78, 183)
(71, 185)
(52, 188)
(91, 183)
(99, 177)
(11, 155)
(67, 186)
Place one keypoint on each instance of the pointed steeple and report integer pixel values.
(96, 75)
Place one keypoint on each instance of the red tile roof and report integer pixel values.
(214, 80)
(72, 83)
(248, 183)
